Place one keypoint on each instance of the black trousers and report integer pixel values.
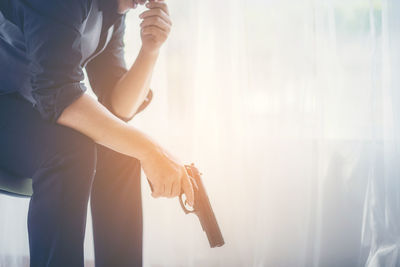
(67, 168)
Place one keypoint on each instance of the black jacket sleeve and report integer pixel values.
(52, 31)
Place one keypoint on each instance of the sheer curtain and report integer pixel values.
(291, 111)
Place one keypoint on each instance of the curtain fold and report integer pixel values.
(381, 209)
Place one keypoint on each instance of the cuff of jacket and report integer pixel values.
(52, 105)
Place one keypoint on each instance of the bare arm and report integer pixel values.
(130, 91)
(133, 87)
(89, 117)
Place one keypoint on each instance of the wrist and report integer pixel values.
(152, 152)
(149, 52)
(144, 147)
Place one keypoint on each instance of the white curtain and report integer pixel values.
(291, 109)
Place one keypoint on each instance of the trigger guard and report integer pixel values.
(183, 205)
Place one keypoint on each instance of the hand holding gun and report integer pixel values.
(202, 208)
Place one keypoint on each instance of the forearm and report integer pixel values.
(89, 117)
(131, 90)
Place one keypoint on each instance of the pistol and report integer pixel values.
(202, 208)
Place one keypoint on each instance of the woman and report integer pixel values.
(71, 145)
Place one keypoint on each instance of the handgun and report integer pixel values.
(202, 208)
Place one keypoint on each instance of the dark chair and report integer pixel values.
(15, 186)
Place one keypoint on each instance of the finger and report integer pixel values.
(156, 21)
(168, 190)
(155, 31)
(194, 183)
(188, 190)
(176, 189)
(159, 4)
(158, 192)
(156, 13)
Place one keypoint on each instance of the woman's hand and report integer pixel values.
(167, 176)
(156, 26)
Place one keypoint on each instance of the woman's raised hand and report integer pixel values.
(156, 25)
